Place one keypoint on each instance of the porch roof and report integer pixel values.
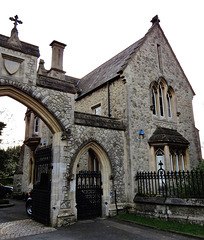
(169, 136)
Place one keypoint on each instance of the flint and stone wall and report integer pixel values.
(112, 142)
(173, 209)
(142, 70)
(130, 100)
(112, 146)
(117, 100)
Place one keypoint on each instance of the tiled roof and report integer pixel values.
(108, 70)
(112, 68)
(166, 135)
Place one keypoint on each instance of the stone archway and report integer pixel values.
(48, 93)
(106, 171)
(53, 123)
(31, 103)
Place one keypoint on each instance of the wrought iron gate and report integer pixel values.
(88, 194)
(42, 186)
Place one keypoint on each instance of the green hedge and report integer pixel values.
(6, 181)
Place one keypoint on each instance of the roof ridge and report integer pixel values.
(108, 70)
(141, 39)
(116, 56)
(112, 68)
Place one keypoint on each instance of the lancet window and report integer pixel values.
(162, 100)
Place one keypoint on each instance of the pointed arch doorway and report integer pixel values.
(88, 194)
(92, 184)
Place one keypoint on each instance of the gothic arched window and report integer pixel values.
(163, 100)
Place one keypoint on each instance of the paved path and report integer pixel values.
(98, 229)
(22, 228)
(16, 225)
(13, 213)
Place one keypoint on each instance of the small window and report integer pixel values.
(171, 163)
(169, 105)
(97, 109)
(160, 158)
(159, 57)
(182, 163)
(154, 102)
(36, 125)
(94, 164)
(177, 162)
(161, 102)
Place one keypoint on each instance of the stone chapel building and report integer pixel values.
(127, 115)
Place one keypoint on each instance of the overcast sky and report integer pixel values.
(96, 30)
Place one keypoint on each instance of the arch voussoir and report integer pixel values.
(41, 102)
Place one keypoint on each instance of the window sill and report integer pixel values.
(169, 120)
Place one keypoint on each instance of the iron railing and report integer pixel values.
(189, 184)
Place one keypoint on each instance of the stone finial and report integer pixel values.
(41, 68)
(155, 19)
(14, 40)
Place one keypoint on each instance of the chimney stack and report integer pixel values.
(56, 70)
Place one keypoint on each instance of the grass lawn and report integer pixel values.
(192, 229)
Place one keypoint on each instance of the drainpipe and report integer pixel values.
(108, 84)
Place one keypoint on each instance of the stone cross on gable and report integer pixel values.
(16, 21)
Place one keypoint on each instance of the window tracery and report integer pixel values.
(162, 100)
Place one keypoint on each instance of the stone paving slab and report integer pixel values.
(22, 228)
